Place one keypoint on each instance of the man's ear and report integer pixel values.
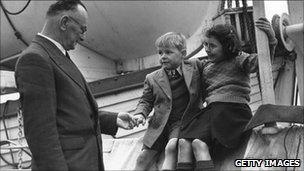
(63, 22)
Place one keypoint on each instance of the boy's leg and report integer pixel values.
(170, 155)
(185, 155)
(202, 156)
(145, 159)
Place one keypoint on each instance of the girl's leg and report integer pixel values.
(202, 155)
(170, 155)
(200, 150)
(185, 155)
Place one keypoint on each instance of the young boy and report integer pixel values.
(173, 91)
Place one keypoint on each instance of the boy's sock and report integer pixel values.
(184, 166)
(206, 165)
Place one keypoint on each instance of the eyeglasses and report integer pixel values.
(83, 28)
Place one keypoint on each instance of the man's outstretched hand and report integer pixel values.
(125, 120)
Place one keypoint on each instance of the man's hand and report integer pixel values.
(263, 24)
(139, 119)
(125, 120)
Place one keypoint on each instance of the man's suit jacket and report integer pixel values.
(61, 119)
(157, 94)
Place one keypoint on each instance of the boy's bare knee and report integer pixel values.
(200, 150)
(199, 145)
(184, 146)
(184, 151)
(171, 146)
(182, 143)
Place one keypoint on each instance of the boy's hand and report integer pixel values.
(263, 24)
(125, 120)
(139, 119)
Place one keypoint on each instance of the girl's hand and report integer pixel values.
(263, 24)
(139, 119)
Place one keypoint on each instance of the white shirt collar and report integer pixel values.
(60, 47)
(179, 70)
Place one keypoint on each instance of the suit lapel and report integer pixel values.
(69, 68)
(188, 73)
(162, 80)
(66, 65)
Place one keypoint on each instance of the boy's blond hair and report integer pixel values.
(171, 39)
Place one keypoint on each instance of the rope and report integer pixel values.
(19, 154)
(15, 165)
(4, 125)
(17, 33)
(20, 121)
(7, 162)
(15, 13)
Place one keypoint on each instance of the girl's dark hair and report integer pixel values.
(63, 5)
(227, 36)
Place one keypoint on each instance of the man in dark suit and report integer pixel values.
(62, 123)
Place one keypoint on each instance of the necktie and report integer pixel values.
(173, 74)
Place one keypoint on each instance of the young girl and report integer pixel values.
(226, 74)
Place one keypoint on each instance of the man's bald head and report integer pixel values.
(66, 22)
(63, 5)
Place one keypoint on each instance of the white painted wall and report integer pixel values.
(141, 63)
(92, 65)
(193, 42)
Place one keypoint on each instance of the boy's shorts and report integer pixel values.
(170, 131)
